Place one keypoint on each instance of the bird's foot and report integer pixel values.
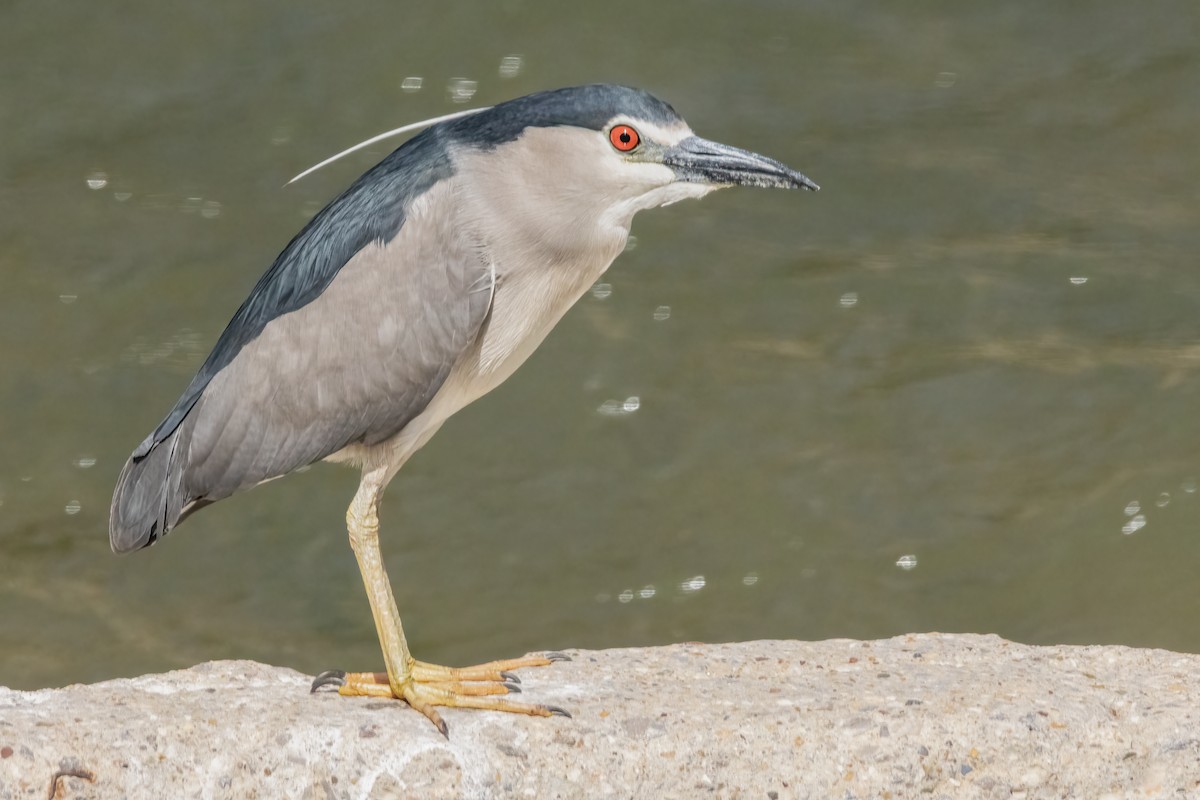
(428, 685)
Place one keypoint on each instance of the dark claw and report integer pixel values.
(558, 712)
(511, 677)
(557, 656)
(330, 677)
(512, 688)
(441, 726)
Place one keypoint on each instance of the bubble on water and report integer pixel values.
(691, 585)
(67, 299)
(181, 348)
(461, 90)
(945, 80)
(620, 408)
(210, 209)
(907, 562)
(849, 300)
(412, 83)
(1078, 280)
(510, 66)
(749, 579)
(1189, 486)
(97, 180)
(1132, 508)
(85, 462)
(631, 243)
(602, 291)
(625, 596)
(1135, 524)
(72, 508)
(662, 313)
(1163, 500)
(646, 592)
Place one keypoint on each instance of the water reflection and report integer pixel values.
(1138, 518)
(1134, 524)
(945, 80)
(461, 90)
(620, 408)
(510, 66)
(184, 347)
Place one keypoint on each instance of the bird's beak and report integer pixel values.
(698, 160)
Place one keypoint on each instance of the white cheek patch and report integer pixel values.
(621, 214)
(674, 192)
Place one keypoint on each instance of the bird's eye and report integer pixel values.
(624, 138)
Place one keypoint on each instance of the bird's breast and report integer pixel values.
(526, 305)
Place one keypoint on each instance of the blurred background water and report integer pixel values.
(956, 390)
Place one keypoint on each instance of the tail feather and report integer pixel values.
(149, 499)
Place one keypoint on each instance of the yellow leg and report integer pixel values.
(421, 685)
(362, 522)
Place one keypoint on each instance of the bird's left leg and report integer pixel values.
(422, 685)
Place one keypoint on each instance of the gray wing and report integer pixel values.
(372, 209)
(354, 365)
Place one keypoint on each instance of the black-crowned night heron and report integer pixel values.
(416, 291)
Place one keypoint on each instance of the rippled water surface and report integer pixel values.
(955, 390)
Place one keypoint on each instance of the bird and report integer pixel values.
(416, 291)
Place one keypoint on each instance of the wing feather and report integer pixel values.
(347, 338)
(353, 366)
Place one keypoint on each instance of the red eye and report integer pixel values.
(624, 138)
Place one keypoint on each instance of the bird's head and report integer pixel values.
(597, 154)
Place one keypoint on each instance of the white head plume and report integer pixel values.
(413, 126)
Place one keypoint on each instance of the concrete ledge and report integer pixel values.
(916, 716)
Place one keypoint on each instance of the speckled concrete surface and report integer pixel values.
(931, 716)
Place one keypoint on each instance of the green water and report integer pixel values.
(978, 345)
